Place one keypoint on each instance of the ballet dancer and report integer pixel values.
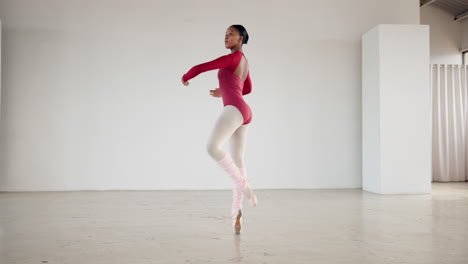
(232, 124)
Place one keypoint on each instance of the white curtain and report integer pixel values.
(449, 116)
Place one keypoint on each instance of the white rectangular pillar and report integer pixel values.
(396, 110)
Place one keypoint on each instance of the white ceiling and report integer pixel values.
(458, 8)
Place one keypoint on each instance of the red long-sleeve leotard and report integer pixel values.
(232, 86)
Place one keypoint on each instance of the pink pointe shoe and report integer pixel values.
(237, 222)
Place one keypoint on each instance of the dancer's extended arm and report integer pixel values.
(221, 62)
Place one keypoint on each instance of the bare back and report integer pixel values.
(243, 68)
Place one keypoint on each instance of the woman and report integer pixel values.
(232, 124)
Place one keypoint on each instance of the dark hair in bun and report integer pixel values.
(242, 32)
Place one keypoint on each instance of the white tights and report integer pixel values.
(229, 127)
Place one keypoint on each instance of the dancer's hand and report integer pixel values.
(215, 93)
(184, 83)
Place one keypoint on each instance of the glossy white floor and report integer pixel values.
(288, 226)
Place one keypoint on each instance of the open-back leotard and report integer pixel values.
(232, 86)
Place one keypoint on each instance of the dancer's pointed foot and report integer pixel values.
(237, 219)
(253, 201)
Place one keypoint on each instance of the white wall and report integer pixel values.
(445, 35)
(92, 95)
